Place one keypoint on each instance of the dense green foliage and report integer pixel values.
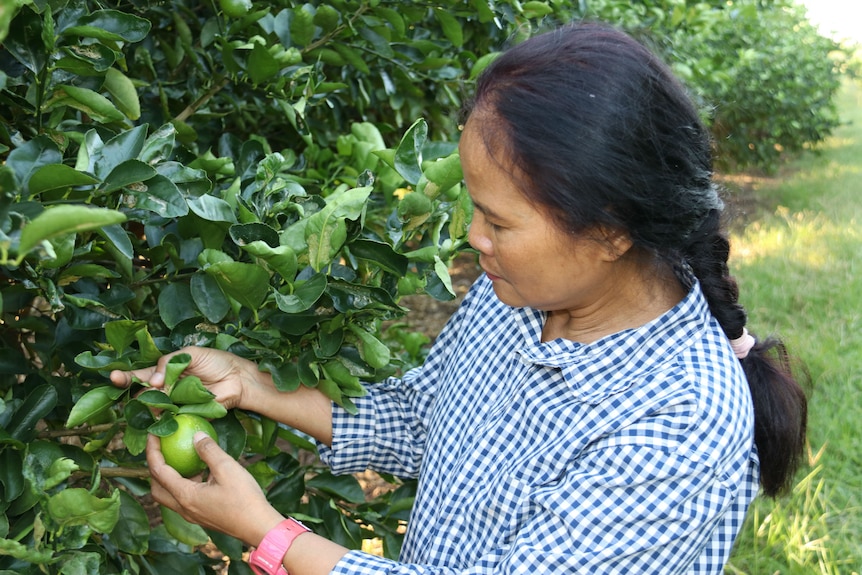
(267, 178)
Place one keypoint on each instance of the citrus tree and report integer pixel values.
(260, 179)
(267, 178)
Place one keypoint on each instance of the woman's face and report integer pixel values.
(531, 262)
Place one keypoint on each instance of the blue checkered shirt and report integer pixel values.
(632, 454)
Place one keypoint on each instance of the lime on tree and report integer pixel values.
(235, 8)
(178, 448)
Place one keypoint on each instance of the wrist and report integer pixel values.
(258, 388)
(267, 557)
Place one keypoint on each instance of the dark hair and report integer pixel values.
(605, 137)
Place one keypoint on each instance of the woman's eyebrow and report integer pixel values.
(486, 211)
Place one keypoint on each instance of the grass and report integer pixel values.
(800, 273)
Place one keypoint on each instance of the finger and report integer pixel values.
(212, 454)
(125, 378)
(157, 466)
(166, 475)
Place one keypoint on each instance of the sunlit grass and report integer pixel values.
(800, 274)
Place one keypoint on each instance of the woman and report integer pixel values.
(593, 405)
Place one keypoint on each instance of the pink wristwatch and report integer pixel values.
(267, 557)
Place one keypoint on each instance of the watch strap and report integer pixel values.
(267, 558)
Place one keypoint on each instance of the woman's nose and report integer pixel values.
(478, 238)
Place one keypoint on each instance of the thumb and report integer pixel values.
(209, 451)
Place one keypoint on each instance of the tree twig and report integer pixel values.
(78, 431)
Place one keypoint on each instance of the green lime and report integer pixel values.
(414, 204)
(235, 8)
(178, 447)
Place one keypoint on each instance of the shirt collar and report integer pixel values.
(611, 363)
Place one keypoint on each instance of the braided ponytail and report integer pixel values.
(780, 404)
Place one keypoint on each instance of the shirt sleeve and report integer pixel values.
(388, 433)
(630, 510)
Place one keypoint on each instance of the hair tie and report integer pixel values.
(743, 344)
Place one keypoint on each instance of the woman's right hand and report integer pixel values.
(238, 383)
(226, 375)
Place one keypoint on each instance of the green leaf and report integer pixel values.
(87, 59)
(105, 360)
(174, 368)
(210, 410)
(534, 9)
(231, 434)
(65, 219)
(58, 177)
(11, 474)
(209, 297)
(381, 254)
(210, 257)
(159, 146)
(304, 296)
(157, 399)
(77, 506)
(344, 487)
(166, 425)
(246, 283)
(24, 40)
(326, 230)
(123, 91)
(349, 384)
(128, 173)
(261, 65)
(176, 304)
(37, 405)
(25, 553)
(92, 403)
(103, 157)
(120, 239)
(482, 63)
(281, 259)
(132, 534)
(121, 333)
(442, 271)
(461, 214)
(353, 57)
(26, 159)
(158, 195)
(408, 154)
(137, 414)
(111, 25)
(245, 234)
(182, 530)
(348, 297)
(88, 101)
(442, 174)
(371, 349)
(212, 208)
(135, 440)
(77, 271)
(147, 350)
(190, 389)
(452, 28)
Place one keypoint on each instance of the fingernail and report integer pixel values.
(199, 436)
(157, 378)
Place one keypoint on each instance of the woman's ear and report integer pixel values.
(618, 242)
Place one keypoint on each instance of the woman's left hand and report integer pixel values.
(230, 500)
